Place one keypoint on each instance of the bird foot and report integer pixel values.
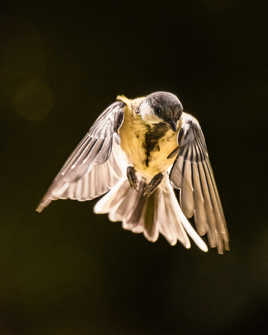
(132, 178)
(150, 188)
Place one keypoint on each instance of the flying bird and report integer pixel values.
(150, 159)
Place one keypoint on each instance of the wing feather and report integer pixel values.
(92, 168)
(192, 174)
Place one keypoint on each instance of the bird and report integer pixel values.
(149, 161)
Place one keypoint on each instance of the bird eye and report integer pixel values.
(157, 111)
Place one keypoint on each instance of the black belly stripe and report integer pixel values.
(152, 136)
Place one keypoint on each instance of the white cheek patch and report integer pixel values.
(147, 113)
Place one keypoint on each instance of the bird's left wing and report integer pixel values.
(96, 163)
(192, 174)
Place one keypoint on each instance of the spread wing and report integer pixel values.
(95, 165)
(192, 174)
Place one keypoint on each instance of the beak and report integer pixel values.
(173, 125)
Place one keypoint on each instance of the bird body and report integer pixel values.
(150, 145)
(136, 154)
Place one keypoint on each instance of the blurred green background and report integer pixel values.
(68, 271)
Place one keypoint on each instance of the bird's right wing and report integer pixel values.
(192, 174)
(95, 165)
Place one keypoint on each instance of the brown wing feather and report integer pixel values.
(192, 174)
(80, 177)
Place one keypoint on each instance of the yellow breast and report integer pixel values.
(133, 142)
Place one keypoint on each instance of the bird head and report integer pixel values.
(161, 107)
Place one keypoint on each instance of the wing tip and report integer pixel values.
(39, 209)
(42, 205)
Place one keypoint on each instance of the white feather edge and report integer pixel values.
(104, 206)
(186, 224)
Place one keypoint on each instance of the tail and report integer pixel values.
(158, 213)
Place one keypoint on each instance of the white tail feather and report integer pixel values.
(160, 213)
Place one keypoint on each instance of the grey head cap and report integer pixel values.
(166, 106)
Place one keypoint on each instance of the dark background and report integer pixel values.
(68, 271)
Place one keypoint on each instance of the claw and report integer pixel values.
(150, 188)
(132, 178)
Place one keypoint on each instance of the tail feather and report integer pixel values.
(159, 213)
(151, 223)
(125, 205)
(171, 226)
(165, 224)
(111, 199)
